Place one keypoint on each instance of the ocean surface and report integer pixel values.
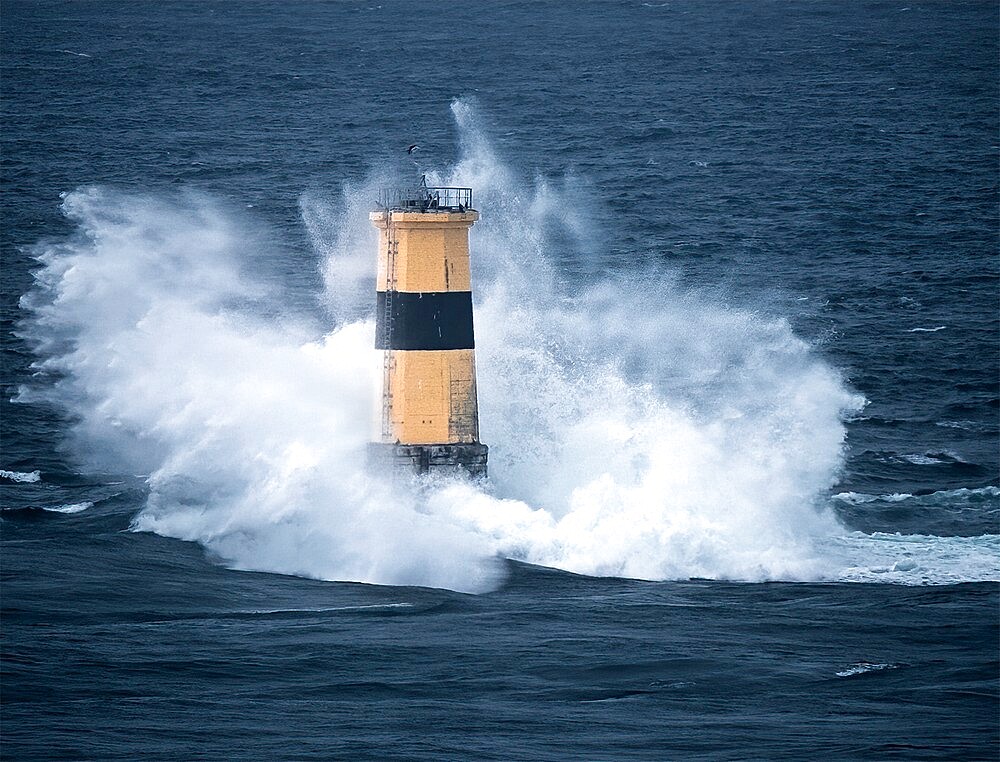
(738, 344)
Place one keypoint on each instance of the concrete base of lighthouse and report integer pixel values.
(423, 458)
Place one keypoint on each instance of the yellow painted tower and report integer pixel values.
(430, 413)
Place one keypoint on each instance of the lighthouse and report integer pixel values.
(424, 328)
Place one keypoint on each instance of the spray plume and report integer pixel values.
(635, 429)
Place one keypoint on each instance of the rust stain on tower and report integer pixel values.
(424, 327)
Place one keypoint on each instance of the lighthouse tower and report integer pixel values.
(430, 413)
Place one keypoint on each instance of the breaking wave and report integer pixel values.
(635, 429)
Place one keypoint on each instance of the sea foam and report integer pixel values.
(635, 429)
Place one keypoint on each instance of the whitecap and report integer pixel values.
(927, 330)
(961, 493)
(859, 498)
(71, 508)
(328, 609)
(976, 426)
(921, 460)
(21, 476)
(862, 667)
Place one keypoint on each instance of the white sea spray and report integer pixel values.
(635, 429)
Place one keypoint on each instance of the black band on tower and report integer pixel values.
(424, 321)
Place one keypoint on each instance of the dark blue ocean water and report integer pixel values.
(830, 165)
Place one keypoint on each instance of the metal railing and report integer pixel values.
(425, 198)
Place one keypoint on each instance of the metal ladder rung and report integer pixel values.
(390, 278)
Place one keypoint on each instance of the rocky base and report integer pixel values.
(423, 458)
